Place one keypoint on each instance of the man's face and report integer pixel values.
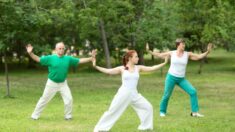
(60, 49)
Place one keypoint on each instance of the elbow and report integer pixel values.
(162, 57)
(82, 61)
(196, 58)
(199, 58)
(37, 60)
(109, 72)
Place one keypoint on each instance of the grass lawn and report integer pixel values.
(92, 94)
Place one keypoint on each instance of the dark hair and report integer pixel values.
(126, 57)
(178, 41)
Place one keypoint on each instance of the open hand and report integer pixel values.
(209, 47)
(29, 48)
(94, 53)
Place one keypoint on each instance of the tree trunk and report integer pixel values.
(202, 61)
(141, 57)
(105, 43)
(117, 57)
(84, 3)
(19, 52)
(152, 57)
(201, 65)
(162, 60)
(31, 64)
(6, 74)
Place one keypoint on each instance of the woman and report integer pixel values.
(127, 93)
(176, 75)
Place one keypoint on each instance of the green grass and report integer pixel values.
(93, 92)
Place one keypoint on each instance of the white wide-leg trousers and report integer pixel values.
(120, 102)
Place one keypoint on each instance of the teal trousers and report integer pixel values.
(170, 83)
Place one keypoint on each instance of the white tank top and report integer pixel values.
(130, 79)
(178, 64)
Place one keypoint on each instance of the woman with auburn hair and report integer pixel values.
(176, 75)
(127, 93)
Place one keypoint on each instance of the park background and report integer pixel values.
(112, 26)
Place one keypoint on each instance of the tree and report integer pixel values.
(203, 22)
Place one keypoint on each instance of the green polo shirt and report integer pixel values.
(58, 67)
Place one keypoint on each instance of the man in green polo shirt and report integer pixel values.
(58, 67)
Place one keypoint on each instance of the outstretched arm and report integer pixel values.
(89, 59)
(153, 68)
(29, 49)
(112, 71)
(157, 54)
(85, 60)
(193, 56)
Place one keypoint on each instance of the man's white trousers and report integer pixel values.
(50, 90)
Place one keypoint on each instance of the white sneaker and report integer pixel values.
(162, 114)
(33, 118)
(196, 114)
(68, 119)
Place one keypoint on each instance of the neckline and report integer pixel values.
(60, 56)
(179, 56)
(132, 71)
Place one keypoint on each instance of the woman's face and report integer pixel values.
(181, 46)
(134, 59)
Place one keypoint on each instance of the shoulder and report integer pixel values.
(67, 56)
(171, 52)
(70, 57)
(140, 67)
(46, 59)
(47, 56)
(189, 53)
(120, 68)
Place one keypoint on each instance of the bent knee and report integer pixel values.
(193, 92)
(68, 101)
(149, 107)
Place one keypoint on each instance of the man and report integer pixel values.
(58, 67)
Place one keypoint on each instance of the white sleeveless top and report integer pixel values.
(130, 79)
(178, 64)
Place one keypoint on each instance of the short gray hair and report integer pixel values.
(59, 43)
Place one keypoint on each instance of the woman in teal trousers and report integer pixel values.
(176, 75)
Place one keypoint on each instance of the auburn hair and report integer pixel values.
(126, 57)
